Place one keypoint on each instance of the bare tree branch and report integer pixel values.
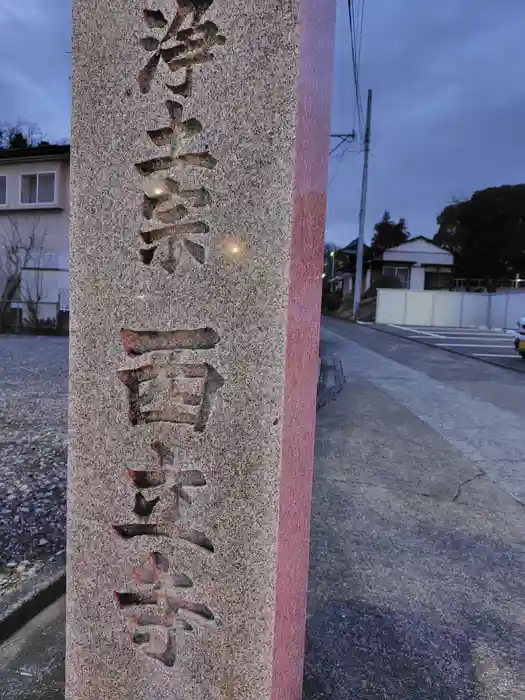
(20, 135)
(17, 251)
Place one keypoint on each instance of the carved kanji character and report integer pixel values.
(193, 43)
(185, 390)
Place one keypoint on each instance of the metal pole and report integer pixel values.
(362, 212)
(332, 255)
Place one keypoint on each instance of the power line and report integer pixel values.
(355, 18)
(339, 157)
(360, 42)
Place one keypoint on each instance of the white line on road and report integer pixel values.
(442, 328)
(467, 345)
(469, 337)
(454, 334)
(488, 354)
(413, 330)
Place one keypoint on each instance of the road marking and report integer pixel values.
(488, 354)
(467, 345)
(455, 334)
(469, 337)
(413, 330)
(443, 328)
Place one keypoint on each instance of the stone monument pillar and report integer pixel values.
(200, 142)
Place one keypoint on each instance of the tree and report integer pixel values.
(450, 234)
(388, 234)
(20, 135)
(17, 250)
(486, 233)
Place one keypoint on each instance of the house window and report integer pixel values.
(438, 279)
(37, 188)
(402, 273)
(3, 190)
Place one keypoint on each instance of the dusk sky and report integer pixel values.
(448, 109)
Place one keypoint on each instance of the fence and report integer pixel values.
(452, 309)
(26, 317)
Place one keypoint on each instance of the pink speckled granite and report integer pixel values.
(264, 106)
(316, 22)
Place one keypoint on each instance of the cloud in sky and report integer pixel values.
(447, 113)
(447, 108)
(35, 64)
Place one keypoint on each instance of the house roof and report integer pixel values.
(352, 247)
(416, 238)
(422, 238)
(377, 262)
(35, 153)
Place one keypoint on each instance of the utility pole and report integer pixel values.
(362, 212)
(348, 137)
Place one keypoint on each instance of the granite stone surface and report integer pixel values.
(199, 157)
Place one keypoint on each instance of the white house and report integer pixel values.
(418, 263)
(34, 221)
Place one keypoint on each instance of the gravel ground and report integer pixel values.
(33, 453)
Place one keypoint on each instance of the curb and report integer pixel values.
(331, 379)
(33, 596)
(511, 368)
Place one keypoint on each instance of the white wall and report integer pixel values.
(50, 222)
(417, 278)
(432, 308)
(505, 308)
(454, 309)
(48, 283)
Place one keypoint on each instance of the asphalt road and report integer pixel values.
(496, 347)
(417, 562)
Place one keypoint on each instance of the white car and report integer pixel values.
(519, 337)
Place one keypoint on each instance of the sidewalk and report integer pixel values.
(417, 556)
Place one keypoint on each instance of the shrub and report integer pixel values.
(330, 302)
(383, 282)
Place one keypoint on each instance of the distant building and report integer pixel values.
(34, 206)
(418, 263)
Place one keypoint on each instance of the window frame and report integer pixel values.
(395, 267)
(4, 204)
(37, 203)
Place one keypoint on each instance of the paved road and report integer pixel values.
(496, 347)
(418, 534)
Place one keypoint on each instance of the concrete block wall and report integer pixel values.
(453, 309)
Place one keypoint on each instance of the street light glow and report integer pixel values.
(234, 248)
(155, 188)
